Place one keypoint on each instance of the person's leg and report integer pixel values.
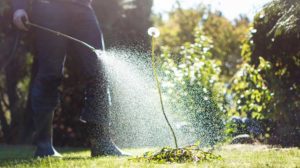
(84, 26)
(51, 54)
(96, 110)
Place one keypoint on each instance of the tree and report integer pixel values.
(227, 36)
(14, 80)
(180, 27)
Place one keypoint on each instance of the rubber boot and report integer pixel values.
(44, 132)
(101, 143)
(95, 115)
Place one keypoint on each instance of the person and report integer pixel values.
(77, 19)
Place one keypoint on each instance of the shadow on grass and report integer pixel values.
(22, 156)
(12, 155)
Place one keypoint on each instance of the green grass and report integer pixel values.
(233, 156)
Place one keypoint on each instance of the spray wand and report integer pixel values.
(60, 34)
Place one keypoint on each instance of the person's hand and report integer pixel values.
(20, 16)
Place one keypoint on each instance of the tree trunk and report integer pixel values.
(4, 124)
(28, 125)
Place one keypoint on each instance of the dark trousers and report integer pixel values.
(80, 22)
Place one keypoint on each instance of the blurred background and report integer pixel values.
(241, 56)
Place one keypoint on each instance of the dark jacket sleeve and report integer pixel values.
(19, 4)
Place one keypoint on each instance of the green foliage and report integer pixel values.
(180, 27)
(195, 89)
(179, 155)
(15, 80)
(227, 36)
(275, 37)
(4, 6)
(232, 129)
(251, 95)
(266, 87)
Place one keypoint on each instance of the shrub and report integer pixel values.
(194, 86)
(275, 37)
(250, 92)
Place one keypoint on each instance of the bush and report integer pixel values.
(251, 95)
(194, 86)
(275, 37)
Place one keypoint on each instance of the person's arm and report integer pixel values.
(19, 8)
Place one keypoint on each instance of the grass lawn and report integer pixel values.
(233, 156)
